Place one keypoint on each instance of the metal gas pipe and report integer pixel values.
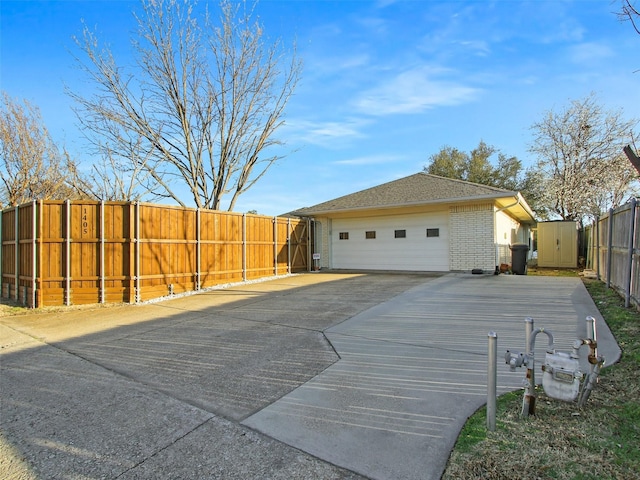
(596, 361)
(528, 359)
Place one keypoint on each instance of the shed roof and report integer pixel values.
(418, 189)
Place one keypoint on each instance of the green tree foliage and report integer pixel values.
(477, 167)
(448, 162)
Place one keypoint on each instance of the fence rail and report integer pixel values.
(613, 250)
(80, 252)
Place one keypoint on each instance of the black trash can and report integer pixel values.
(519, 258)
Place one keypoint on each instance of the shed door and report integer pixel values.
(557, 244)
(397, 242)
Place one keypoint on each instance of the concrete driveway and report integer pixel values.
(318, 376)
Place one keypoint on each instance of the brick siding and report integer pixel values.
(472, 237)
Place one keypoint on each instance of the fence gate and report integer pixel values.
(299, 246)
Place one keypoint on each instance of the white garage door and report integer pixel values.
(401, 242)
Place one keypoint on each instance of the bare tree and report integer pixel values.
(33, 167)
(580, 159)
(118, 177)
(629, 12)
(202, 103)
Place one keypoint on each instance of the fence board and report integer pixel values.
(88, 252)
(221, 248)
(51, 243)
(117, 260)
(614, 251)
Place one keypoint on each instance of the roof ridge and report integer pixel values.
(468, 182)
(418, 188)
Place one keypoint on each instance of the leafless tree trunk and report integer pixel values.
(201, 106)
(122, 178)
(32, 166)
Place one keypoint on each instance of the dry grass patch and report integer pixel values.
(10, 307)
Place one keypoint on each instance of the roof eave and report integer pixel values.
(440, 201)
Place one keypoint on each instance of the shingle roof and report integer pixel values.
(421, 188)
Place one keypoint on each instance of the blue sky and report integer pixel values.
(385, 84)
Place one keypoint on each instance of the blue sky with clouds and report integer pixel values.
(385, 83)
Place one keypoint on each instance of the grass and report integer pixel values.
(553, 272)
(562, 441)
(9, 307)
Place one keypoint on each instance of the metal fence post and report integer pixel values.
(275, 245)
(67, 273)
(244, 247)
(198, 249)
(312, 241)
(289, 234)
(138, 293)
(17, 257)
(1, 257)
(597, 230)
(492, 374)
(103, 292)
(610, 248)
(627, 281)
(34, 253)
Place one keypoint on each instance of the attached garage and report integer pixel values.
(420, 223)
(395, 242)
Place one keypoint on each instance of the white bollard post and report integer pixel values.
(492, 372)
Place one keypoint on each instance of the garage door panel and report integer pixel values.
(414, 252)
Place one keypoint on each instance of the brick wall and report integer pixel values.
(472, 237)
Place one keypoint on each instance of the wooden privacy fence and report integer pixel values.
(613, 250)
(80, 252)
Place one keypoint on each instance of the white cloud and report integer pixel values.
(349, 62)
(562, 29)
(374, 25)
(323, 65)
(414, 91)
(324, 133)
(369, 160)
(479, 47)
(587, 53)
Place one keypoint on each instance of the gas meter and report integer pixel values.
(562, 376)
